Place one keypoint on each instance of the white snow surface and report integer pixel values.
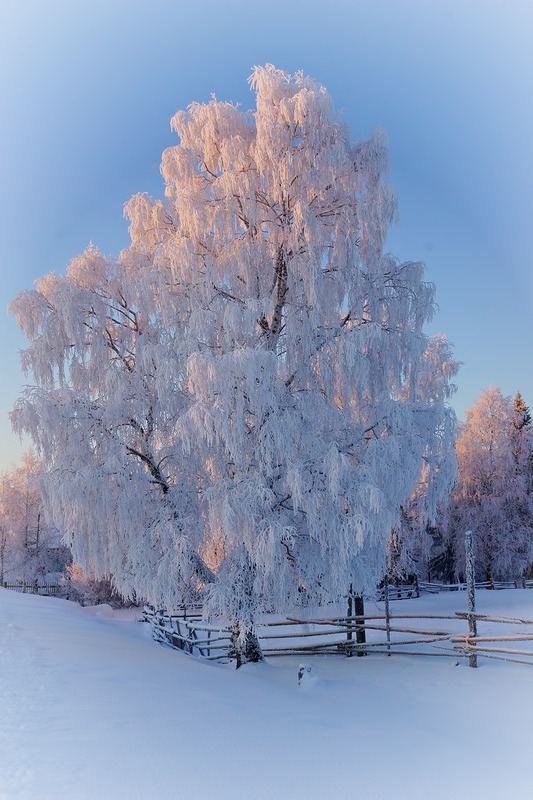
(91, 708)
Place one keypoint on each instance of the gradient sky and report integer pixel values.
(88, 89)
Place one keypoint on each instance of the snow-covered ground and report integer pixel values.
(91, 708)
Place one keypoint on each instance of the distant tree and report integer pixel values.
(522, 447)
(493, 496)
(6, 530)
(30, 547)
(522, 414)
(241, 403)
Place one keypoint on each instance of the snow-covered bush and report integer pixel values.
(85, 589)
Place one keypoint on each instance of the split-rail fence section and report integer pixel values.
(385, 632)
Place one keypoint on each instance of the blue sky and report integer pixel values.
(88, 91)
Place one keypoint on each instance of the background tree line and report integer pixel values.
(492, 496)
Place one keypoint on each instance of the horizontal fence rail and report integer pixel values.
(479, 644)
(45, 589)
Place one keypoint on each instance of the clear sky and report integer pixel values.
(88, 89)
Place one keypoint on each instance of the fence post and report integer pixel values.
(360, 633)
(387, 610)
(349, 635)
(471, 592)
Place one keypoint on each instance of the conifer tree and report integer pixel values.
(522, 414)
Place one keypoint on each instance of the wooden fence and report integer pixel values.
(338, 635)
(488, 645)
(399, 591)
(45, 589)
(187, 632)
(426, 586)
(403, 591)
(388, 633)
(335, 635)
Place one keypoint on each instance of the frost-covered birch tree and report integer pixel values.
(241, 402)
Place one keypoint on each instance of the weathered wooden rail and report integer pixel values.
(483, 645)
(338, 639)
(190, 634)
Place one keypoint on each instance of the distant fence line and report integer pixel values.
(519, 583)
(34, 587)
(403, 591)
(400, 591)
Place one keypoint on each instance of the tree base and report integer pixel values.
(246, 648)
